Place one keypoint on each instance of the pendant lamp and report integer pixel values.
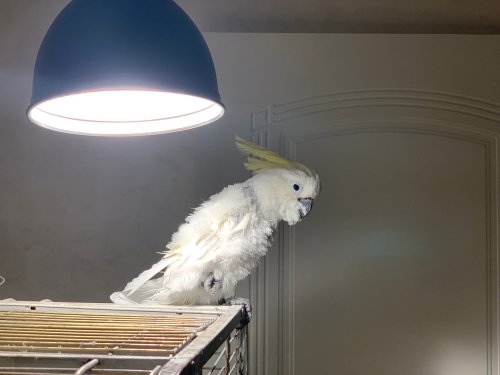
(124, 67)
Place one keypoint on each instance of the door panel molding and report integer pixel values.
(281, 127)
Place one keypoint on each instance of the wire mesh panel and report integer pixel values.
(52, 338)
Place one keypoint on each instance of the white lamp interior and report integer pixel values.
(125, 112)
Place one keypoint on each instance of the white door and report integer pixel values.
(395, 270)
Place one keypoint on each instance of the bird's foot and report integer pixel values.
(211, 284)
(247, 314)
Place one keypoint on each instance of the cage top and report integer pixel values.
(148, 339)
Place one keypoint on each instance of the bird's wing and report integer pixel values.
(216, 221)
(231, 226)
(203, 246)
(199, 247)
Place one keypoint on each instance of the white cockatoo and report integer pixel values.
(222, 240)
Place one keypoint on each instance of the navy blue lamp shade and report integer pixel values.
(124, 67)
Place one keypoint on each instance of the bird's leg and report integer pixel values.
(239, 301)
(211, 284)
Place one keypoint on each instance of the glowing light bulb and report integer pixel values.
(124, 112)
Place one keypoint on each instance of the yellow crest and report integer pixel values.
(260, 159)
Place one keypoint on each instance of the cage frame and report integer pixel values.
(189, 360)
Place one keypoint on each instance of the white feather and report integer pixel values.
(121, 299)
(145, 276)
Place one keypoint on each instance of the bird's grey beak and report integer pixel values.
(306, 205)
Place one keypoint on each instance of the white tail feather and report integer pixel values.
(145, 276)
(121, 299)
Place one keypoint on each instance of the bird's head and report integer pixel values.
(285, 189)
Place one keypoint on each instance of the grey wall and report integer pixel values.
(80, 216)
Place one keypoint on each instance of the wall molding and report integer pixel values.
(450, 102)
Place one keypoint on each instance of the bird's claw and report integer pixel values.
(247, 314)
(211, 284)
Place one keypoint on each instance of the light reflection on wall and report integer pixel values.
(458, 358)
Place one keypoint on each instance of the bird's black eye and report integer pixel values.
(296, 187)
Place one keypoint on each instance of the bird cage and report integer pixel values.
(100, 339)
